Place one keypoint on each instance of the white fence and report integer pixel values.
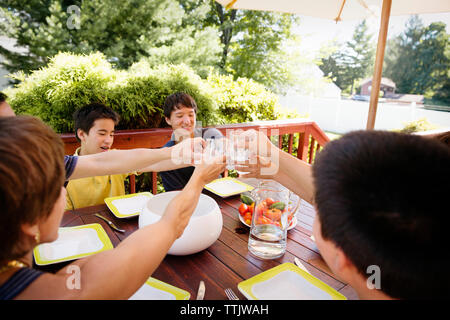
(342, 116)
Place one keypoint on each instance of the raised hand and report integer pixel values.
(263, 155)
(209, 168)
(188, 151)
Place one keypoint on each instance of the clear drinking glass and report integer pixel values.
(267, 238)
(236, 153)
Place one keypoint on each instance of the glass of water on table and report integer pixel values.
(267, 238)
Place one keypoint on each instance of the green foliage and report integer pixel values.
(253, 44)
(417, 126)
(351, 61)
(70, 81)
(242, 100)
(55, 92)
(124, 31)
(418, 60)
(199, 33)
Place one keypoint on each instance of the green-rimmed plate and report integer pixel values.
(154, 289)
(287, 282)
(73, 243)
(129, 205)
(226, 187)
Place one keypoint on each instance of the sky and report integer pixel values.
(315, 32)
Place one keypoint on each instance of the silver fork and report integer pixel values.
(230, 294)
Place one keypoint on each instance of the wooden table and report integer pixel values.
(225, 263)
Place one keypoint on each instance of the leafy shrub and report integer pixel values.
(53, 93)
(418, 125)
(70, 81)
(242, 100)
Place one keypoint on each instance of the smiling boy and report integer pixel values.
(94, 129)
(180, 111)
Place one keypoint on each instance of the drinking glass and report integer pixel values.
(267, 238)
(236, 153)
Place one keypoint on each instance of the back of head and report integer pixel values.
(176, 100)
(382, 197)
(85, 117)
(31, 177)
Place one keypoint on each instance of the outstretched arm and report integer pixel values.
(124, 161)
(118, 273)
(270, 162)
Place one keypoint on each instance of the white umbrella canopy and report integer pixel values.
(329, 9)
(339, 10)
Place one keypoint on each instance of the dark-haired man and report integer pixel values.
(180, 112)
(382, 210)
(5, 108)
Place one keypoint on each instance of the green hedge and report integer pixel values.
(70, 81)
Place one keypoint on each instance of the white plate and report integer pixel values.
(292, 225)
(155, 289)
(129, 205)
(287, 282)
(73, 243)
(228, 186)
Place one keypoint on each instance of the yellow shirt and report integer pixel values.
(93, 190)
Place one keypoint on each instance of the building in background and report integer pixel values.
(387, 86)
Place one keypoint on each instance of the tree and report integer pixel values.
(199, 33)
(352, 61)
(124, 31)
(418, 60)
(254, 44)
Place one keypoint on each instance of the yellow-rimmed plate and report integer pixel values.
(226, 187)
(287, 282)
(73, 243)
(154, 289)
(129, 205)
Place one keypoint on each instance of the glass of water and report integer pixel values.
(267, 238)
(235, 152)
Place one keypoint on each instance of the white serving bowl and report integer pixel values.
(203, 228)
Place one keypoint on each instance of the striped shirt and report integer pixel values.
(18, 282)
(70, 163)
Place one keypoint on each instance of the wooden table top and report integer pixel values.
(226, 262)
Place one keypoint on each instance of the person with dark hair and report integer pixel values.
(88, 117)
(382, 209)
(180, 112)
(5, 108)
(94, 129)
(32, 199)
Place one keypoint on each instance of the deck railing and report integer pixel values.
(300, 137)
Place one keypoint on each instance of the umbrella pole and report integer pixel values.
(376, 80)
